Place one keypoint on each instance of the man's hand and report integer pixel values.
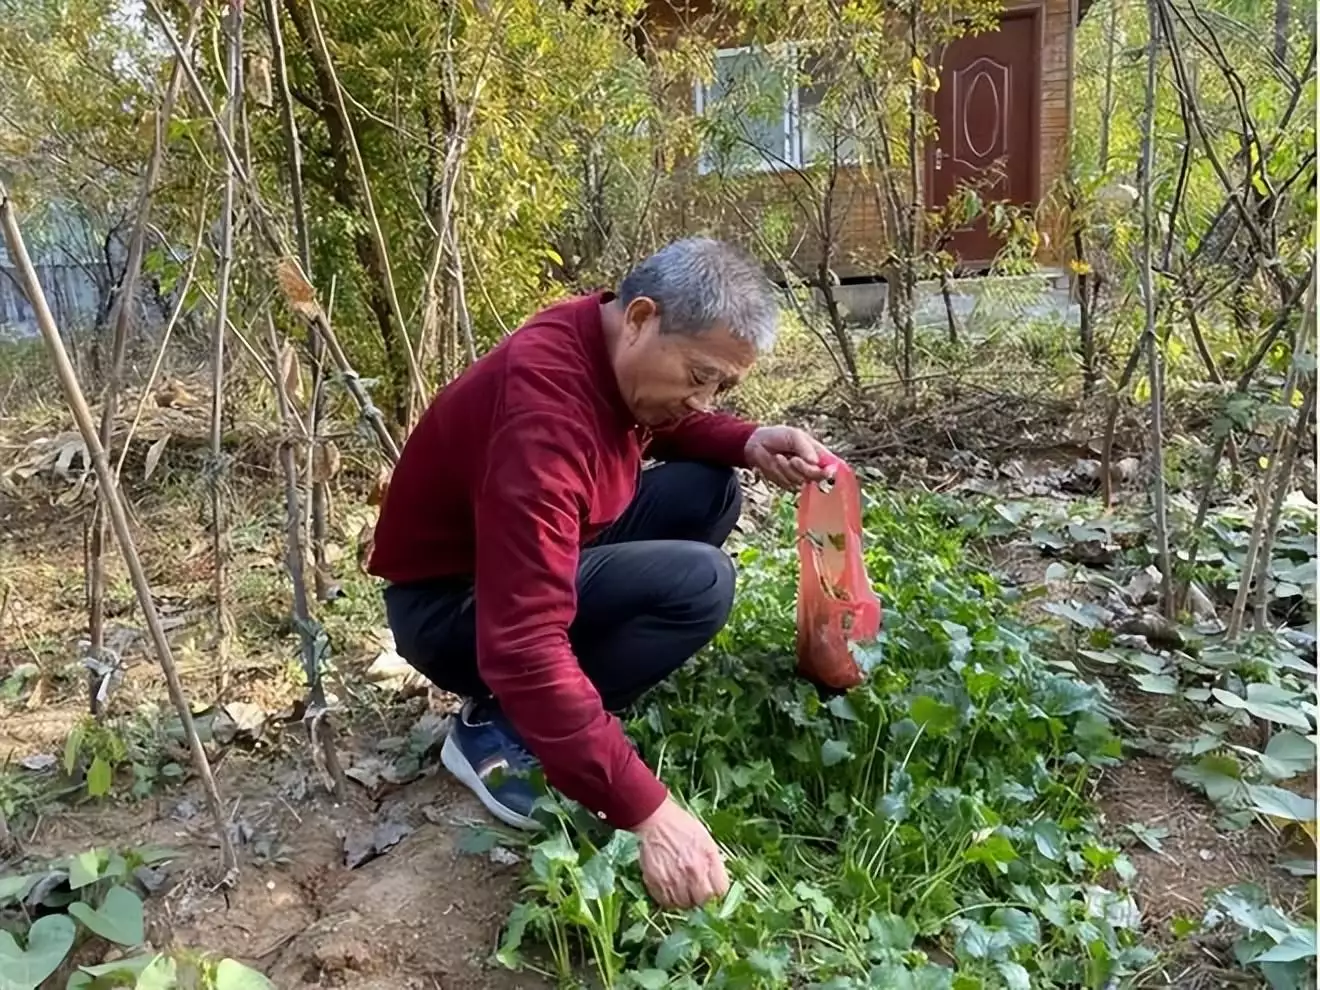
(681, 864)
(786, 456)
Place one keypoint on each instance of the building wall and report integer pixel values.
(858, 216)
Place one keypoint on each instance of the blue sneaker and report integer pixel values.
(485, 752)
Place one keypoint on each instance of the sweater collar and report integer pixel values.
(598, 350)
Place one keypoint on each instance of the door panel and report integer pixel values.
(986, 111)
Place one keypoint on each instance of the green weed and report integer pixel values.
(928, 829)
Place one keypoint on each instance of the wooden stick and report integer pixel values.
(1155, 369)
(298, 291)
(123, 312)
(310, 635)
(216, 475)
(114, 504)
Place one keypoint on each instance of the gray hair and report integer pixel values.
(699, 284)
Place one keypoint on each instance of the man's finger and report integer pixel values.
(807, 470)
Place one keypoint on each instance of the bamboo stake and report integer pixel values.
(310, 635)
(326, 586)
(298, 291)
(118, 517)
(123, 311)
(217, 473)
(1154, 357)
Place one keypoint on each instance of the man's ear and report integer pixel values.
(639, 313)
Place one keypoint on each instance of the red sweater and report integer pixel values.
(524, 458)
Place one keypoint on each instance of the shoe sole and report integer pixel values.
(457, 764)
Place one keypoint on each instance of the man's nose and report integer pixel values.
(698, 403)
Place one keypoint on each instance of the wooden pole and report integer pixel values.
(114, 504)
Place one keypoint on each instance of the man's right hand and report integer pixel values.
(681, 864)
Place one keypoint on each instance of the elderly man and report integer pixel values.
(538, 572)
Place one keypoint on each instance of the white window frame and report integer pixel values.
(791, 159)
(763, 163)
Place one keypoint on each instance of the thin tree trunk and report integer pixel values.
(1111, 34)
(310, 634)
(1111, 421)
(118, 519)
(1239, 388)
(1154, 355)
(122, 315)
(417, 385)
(326, 586)
(912, 234)
(1085, 324)
(1282, 15)
(218, 471)
(1305, 418)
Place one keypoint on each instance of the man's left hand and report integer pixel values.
(786, 456)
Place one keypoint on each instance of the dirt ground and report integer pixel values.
(420, 915)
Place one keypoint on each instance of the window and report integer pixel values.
(769, 109)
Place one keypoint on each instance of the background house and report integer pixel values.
(1001, 114)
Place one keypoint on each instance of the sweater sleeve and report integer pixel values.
(715, 437)
(529, 508)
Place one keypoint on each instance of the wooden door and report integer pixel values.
(987, 114)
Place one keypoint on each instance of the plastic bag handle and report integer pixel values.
(826, 461)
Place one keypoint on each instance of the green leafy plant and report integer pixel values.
(1283, 950)
(97, 745)
(95, 893)
(929, 828)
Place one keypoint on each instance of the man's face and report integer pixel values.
(665, 377)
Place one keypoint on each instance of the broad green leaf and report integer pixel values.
(596, 878)
(17, 887)
(1281, 803)
(834, 751)
(232, 975)
(1049, 839)
(1219, 776)
(100, 776)
(84, 869)
(1156, 683)
(118, 919)
(1298, 945)
(649, 979)
(841, 707)
(1288, 754)
(1021, 927)
(676, 948)
(891, 931)
(48, 941)
(1077, 615)
(162, 974)
(737, 891)
(979, 942)
(1267, 702)
(511, 941)
(1014, 975)
(809, 894)
(130, 966)
(936, 717)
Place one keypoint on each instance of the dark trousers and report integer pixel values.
(653, 589)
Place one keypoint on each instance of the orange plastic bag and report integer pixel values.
(836, 606)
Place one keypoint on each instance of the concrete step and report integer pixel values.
(980, 304)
